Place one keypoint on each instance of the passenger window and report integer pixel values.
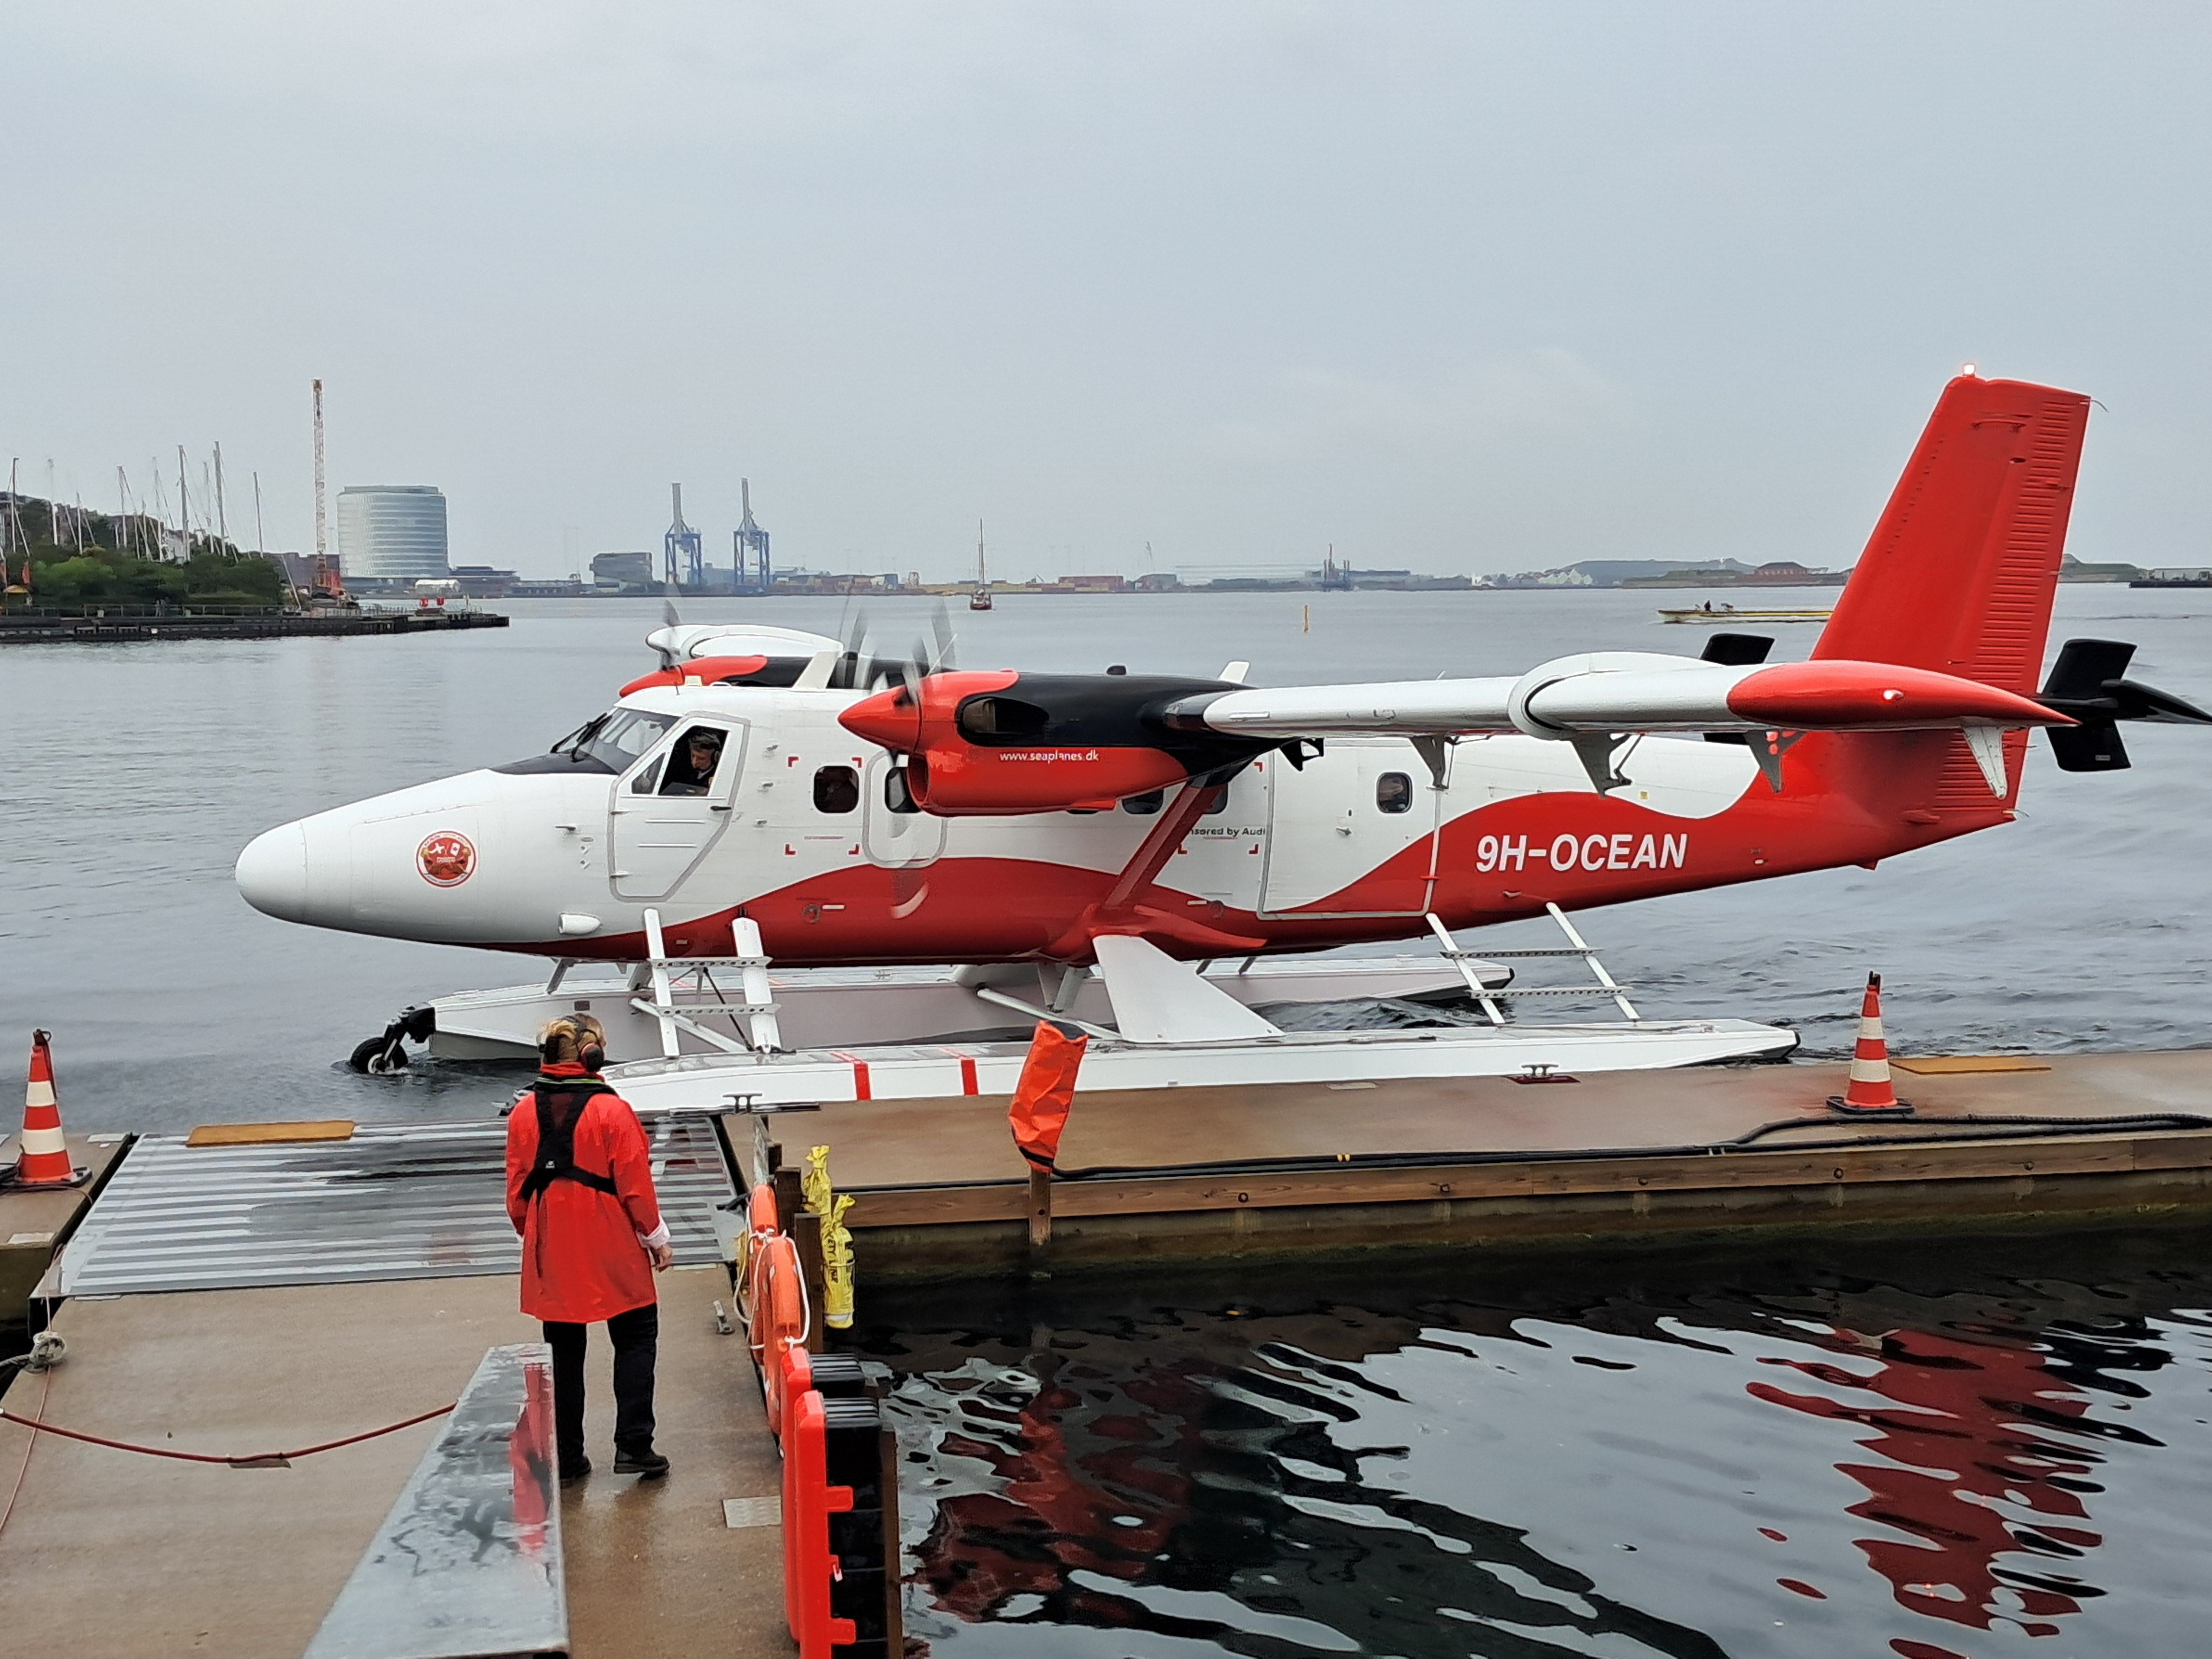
(836, 789)
(691, 764)
(1393, 792)
(896, 795)
(1145, 805)
(1220, 803)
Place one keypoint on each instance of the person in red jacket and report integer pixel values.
(580, 1191)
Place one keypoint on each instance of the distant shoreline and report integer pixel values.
(21, 630)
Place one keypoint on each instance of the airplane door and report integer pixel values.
(894, 833)
(1354, 834)
(664, 817)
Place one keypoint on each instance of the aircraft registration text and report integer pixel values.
(1567, 851)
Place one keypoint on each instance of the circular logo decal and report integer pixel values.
(446, 858)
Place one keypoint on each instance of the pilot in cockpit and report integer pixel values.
(691, 767)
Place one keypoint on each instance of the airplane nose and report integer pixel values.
(272, 874)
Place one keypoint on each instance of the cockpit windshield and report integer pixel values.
(615, 738)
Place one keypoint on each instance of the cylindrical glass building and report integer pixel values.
(391, 532)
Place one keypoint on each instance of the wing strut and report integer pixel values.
(1118, 912)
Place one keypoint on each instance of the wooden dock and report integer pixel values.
(1182, 1173)
(107, 1553)
(33, 1225)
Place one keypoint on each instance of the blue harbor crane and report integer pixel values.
(749, 538)
(682, 539)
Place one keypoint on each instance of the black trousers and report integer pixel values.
(636, 1337)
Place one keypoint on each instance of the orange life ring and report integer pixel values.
(779, 1320)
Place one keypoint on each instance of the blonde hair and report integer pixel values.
(562, 1043)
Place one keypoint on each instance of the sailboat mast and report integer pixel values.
(222, 519)
(979, 577)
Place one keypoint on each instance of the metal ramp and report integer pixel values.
(398, 1201)
(468, 1564)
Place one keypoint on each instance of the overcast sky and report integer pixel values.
(1456, 287)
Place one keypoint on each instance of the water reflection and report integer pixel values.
(1988, 1448)
(1908, 1466)
(1185, 1503)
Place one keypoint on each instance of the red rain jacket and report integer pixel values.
(582, 1259)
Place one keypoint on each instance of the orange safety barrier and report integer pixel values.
(809, 1501)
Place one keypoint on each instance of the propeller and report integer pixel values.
(940, 625)
(668, 619)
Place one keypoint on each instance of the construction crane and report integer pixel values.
(750, 538)
(681, 540)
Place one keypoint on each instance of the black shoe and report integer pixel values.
(572, 1473)
(645, 1465)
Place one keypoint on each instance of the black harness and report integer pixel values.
(558, 1110)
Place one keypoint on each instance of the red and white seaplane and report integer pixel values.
(930, 856)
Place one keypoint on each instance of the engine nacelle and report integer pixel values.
(988, 744)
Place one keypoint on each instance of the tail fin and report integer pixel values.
(1960, 572)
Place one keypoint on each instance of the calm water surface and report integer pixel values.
(1930, 1453)
(1946, 1454)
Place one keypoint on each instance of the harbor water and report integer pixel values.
(1948, 1449)
(1953, 1452)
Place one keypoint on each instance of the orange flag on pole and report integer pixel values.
(1039, 1110)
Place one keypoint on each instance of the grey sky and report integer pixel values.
(1456, 287)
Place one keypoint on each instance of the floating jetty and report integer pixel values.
(121, 623)
(285, 1285)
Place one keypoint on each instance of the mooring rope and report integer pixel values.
(253, 1460)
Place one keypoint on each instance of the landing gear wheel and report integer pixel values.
(378, 1056)
(381, 1056)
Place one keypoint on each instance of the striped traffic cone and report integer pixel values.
(1868, 1092)
(45, 1161)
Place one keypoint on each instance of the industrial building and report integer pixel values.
(617, 573)
(391, 535)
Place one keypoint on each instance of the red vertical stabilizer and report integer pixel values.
(1960, 572)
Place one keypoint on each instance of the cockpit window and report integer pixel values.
(693, 762)
(615, 738)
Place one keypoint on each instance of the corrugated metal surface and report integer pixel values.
(396, 1201)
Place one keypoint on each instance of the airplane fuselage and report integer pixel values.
(808, 830)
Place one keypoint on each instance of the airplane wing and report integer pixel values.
(1600, 693)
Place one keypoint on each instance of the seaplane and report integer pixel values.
(782, 868)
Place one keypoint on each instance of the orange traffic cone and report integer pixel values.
(1868, 1092)
(45, 1161)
